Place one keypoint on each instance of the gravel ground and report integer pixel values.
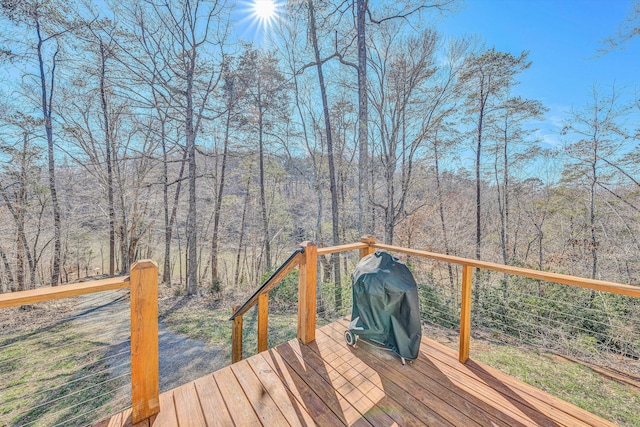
(181, 359)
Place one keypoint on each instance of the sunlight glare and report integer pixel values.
(265, 10)
(259, 18)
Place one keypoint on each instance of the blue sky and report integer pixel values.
(563, 37)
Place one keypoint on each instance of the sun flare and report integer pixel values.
(260, 18)
(265, 10)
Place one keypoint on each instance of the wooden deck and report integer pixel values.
(328, 383)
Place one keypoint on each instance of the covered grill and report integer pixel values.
(385, 305)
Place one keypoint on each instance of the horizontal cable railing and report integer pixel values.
(453, 307)
(73, 367)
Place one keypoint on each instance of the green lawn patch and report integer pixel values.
(570, 381)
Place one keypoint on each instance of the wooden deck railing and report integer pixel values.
(143, 283)
(307, 264)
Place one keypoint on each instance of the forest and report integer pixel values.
(148, 130)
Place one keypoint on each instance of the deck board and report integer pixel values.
(354, 387)
(189, 411)
(328, 383)
(168, 416)
(261, 401)
(235, 399)
(303, 394)
(215, 411)
(295, 413)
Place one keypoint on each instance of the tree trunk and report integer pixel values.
(107, 143)
(46, 100)
(7, 270)
(263, 199)
(363, 132)
(592, 226)
(505, 190)
(215, 280)
(241, 237)
(478, 184)
(441, 211)
(192, 226)
(335, 232)
(170, 220)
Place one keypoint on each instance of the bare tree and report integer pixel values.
(266, 98)
(509, 135)
(17, 186)
(596, 135)
(487, 76)
(333, 189)
(180, 46)
(628, 29)
(230, 100)
(46, 21)
(407, 104)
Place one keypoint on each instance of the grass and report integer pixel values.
(212, 326)
(53, 375)
(570, 381)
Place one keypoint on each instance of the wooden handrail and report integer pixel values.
(307, 262)
(305, 258)
(143, 283)
(342, 248)
(581, 282)
(261, 297)
(33, 296)
(273, 281)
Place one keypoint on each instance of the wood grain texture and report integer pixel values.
(167, 416)
(359, 384)
(367, 240)
(235, 398)
(341, 248)
(188, 408)
(465, 314)
(581, 282)
(236, 339)
(213, 406)
(258, 396)
(307, 277)
(64, 291)
(295, 413)
(343, 408)
(144, 340)
(304, 395)
(327, 382)
(263, 322)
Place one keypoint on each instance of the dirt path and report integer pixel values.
(181, 359)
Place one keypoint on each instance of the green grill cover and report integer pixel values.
(385, 304)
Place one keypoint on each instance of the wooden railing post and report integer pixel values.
(465, 313)
(307, 277)
(236, 338)
(145, 400)
(369, 240)
(263, 322)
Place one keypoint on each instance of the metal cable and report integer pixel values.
(126, 387)
(8, 361)
(67, 384)
(79, 391)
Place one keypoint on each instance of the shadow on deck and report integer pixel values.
(328, 383)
